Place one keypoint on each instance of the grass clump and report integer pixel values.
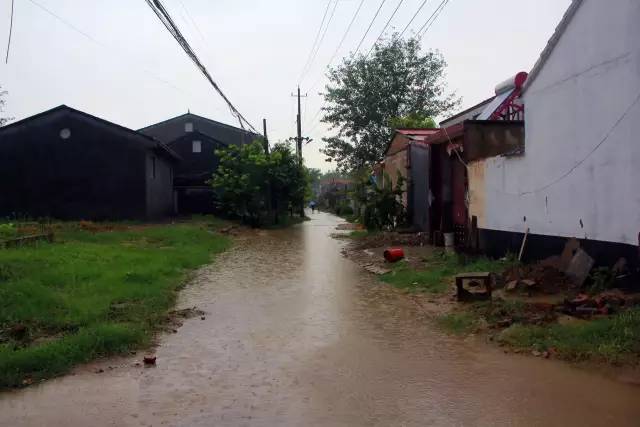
(437, 273)
(611, 339)
(362, 234)
(457, 323)
(92, 293)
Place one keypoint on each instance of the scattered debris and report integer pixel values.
(230, 229)
(18, 332)
(149, 360)
(376, 269)
(579, 267)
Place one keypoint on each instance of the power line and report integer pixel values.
(98, 43)
(6, 61)
(584, 159)
(333, 11)
(193, 22)
(413, 17)
(369, 27)
(313, 46)
(170, 25)
(385, 27)
(572, 169)
(344, 37)
(434, 16)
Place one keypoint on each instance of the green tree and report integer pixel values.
(3, 120)
(289, 181)
(366, 93)
(241, 179)
(412, 121)
(255, 185)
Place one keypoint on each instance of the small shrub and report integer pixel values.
(344, 210)
(8, 230)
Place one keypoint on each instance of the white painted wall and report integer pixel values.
(590, 79)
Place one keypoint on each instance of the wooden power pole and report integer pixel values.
(266, 138)
(299, 139)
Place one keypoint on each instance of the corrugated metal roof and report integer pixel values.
(469, 113)
(553, 41)
(493, 105)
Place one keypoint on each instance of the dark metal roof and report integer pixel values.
(189, 114)
(147, 140)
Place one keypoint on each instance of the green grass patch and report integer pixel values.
(611, 339)
(437, 273)
(92, 293)
(361, 234)
(458, 323)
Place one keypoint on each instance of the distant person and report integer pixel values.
(312, 205)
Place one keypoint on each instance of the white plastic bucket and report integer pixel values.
(449, 240)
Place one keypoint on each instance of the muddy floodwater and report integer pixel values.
(297, 335)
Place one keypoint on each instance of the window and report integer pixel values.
(153, 167)
(196, 146)
(188, 127)
(65, 133)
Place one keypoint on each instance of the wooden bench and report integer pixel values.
(464, 295)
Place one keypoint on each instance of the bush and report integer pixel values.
(8, 230)
(344, 210)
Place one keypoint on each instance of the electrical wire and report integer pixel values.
(342, 40)
(313, 46)
(98, 43)
(569, 171)
(369, 28)
(344, 36)
(6, 61)
(415, 15)
(193, 22)
(333, 11)
(434, 16)
(385, 27)
(167, 21)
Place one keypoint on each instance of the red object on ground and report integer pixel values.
(393, 254)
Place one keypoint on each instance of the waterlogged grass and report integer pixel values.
(93, 293)
(438, 271)
(361, 234)
(458, 323)
(612, 339)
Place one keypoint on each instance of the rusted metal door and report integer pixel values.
(459, 187)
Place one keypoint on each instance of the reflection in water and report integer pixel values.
(296, 335)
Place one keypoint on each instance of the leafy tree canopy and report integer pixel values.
(412, 121)
(366, 96)
(254, 184)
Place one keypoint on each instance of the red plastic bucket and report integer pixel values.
(393, 254)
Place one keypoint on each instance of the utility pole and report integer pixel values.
(266, 138)
(299, 139)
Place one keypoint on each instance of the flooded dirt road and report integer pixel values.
(296, 335)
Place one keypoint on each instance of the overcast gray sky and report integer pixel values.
(128, 69)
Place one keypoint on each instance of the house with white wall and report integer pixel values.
(579, 173)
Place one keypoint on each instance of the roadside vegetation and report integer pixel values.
(101, 289)
(261, 187)
(614, 339)
(435, 275)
